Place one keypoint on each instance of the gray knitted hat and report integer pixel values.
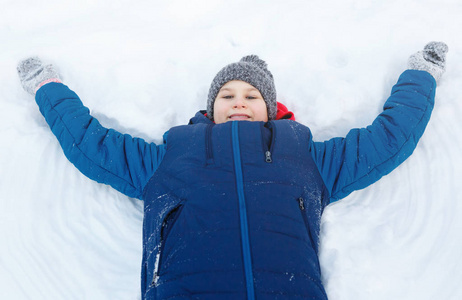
(252, 70)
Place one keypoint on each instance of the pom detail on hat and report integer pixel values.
(254, 59)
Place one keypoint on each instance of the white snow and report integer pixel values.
(144, 66)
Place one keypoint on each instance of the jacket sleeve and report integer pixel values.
(365, 155)
(102, 154)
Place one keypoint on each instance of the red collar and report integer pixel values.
(282, 114)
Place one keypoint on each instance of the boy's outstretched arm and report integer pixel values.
(365, 155)
(102, 154)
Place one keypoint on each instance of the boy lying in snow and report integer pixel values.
(232, 210)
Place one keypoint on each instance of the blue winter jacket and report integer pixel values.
(215, 195)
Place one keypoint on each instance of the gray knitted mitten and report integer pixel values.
(432, 59)
(32, 72)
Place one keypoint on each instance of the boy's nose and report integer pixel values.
(240, 102)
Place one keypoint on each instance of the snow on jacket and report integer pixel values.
(229, 224)
(234, 210)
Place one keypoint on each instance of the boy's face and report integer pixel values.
(239, 101)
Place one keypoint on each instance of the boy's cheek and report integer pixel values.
(219, 118)
(219, 112)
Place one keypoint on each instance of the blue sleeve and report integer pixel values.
(365, 155)
(102, 154)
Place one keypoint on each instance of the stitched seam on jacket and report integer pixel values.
(78, 147)
(397, 153)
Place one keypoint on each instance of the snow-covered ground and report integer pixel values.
(144, 66)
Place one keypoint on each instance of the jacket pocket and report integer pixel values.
(302, 206)
(167, 225)
(268, 144)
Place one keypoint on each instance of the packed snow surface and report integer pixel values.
(145, 66)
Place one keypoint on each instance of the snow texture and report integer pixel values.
(145, 66)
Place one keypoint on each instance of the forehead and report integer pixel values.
(238, 85)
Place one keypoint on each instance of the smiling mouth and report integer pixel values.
(239, 117)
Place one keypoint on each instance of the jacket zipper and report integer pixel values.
(268, 149)
(155, 278)
(301, 205)
(176, 210)
(242, 212)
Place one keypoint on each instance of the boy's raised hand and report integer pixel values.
(432, 59)
(33, 74)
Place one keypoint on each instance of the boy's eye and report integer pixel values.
(227, 97)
